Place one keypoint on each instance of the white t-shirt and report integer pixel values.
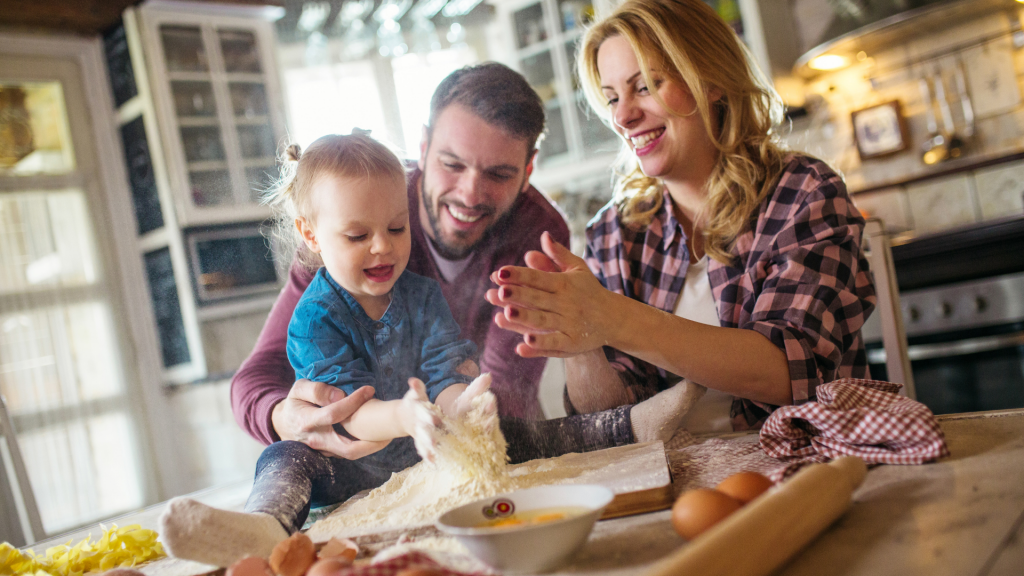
(697, 303)
(450, 269)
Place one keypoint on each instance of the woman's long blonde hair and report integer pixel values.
(688, 42)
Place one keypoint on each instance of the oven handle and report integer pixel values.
(965, 347)
(948, 349)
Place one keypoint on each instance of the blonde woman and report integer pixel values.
(722, 261)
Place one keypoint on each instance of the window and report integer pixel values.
(416, 78)
(333, 99)
(62, 370)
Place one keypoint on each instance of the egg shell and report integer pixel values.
(699, 509)
(339, 548)
(420, 572)
(293, 555)
(328, 566)
(250, 566)
(744, 486)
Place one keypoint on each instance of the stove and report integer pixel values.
(962, 298)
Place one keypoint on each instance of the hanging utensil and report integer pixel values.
(934, 147)
(954, 143)
(965, 99)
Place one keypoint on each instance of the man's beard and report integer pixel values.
(444, 249)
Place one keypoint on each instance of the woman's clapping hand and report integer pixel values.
(557, 303)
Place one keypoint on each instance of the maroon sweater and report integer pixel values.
(265, 377)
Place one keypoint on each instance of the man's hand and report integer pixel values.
(309, 413)
(464, 403)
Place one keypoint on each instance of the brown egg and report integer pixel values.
(293, 555)
(339, 548)
(699, 509)
(123, 572)
(744, 486)
(328, 567)
(250, 566)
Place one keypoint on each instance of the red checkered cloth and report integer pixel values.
(862, 418)
(409, 561)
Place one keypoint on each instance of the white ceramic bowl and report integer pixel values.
(533, 547)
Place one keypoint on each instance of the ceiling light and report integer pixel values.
(391, 10)
(456, 8)
(428, 8)
(828, 62)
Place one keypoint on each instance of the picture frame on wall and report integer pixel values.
(880, 130)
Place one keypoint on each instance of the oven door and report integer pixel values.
(966, 371)
(231, 262)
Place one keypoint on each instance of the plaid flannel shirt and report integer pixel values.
(799, 277)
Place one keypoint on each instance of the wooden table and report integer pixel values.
(961, 516)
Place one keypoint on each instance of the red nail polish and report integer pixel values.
(504, 274)
(530, 338)
(513, 312)
(506, 292)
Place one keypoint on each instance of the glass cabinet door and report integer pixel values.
(249, 107)
(195, 107)
(595, 135)
(545, 37)
(222, 106)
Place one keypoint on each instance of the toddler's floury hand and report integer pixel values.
(422, 421)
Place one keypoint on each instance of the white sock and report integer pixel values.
(194, 531)
(658, 417)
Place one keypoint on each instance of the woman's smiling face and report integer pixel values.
(668, 146)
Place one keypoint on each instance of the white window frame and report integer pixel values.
(105, 184)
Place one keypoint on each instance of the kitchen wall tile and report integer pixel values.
(215, 448)
(227, 342)
(890, 205)
(201, 403)
(832, 96)
(943, 203)
(1001, 190)
(965, 33)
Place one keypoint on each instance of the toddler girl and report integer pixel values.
(364, 320)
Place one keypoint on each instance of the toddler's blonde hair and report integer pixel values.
(356, 155)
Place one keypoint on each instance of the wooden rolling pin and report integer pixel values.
(758, 538)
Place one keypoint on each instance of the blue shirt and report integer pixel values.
(331, 339)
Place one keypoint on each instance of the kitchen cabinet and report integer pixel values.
(540, 38)
(218, 103)
(200, 112)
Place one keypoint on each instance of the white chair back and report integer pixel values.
(894, 338)
(16, 486)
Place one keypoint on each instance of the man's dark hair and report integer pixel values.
(498, 95)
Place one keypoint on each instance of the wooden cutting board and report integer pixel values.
(638, 475)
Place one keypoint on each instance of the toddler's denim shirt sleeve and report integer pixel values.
(332, 340)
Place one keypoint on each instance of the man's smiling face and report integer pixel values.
(472, 174)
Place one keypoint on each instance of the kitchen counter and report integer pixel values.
(961, 516)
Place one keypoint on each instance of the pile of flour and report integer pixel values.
(471, 464)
